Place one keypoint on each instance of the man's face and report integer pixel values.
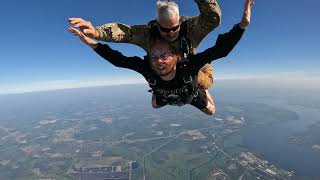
(163, 62)
(169, 28)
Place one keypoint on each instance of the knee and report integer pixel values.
(211, 112)
(210, 109)
(155, 106)
(207, 111)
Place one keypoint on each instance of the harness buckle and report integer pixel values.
(152, 83)
(188, 80)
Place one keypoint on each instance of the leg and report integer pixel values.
(155, 104)
(202, 103)
(209, 97)
(211, 108)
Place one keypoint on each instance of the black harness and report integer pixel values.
(183, 92)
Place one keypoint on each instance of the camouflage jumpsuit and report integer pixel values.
(197, 28)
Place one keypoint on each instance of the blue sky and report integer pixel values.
(37, 51)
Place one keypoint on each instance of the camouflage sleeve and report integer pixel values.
(200, 26)
(122, 33)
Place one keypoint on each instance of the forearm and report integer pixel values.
(108, 54)
(114, 32)
(225, 43)
(200, 26)
(154, 102)
(93, 45)
(210, 13)
(122, 33)
(246, 17)
(118, 59)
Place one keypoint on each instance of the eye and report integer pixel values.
(166, 55)
(154, 58)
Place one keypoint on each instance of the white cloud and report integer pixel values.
(65, 84)
(275, 76)
(297, 78)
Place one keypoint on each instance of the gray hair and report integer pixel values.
(167, 9)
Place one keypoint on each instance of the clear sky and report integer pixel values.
(37, 51)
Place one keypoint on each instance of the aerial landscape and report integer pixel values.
(94, 133)
(120, 90)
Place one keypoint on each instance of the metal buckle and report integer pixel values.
(152, 83)
(188, 80)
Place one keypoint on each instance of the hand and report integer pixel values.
(246, 14)
(85, 26)
(89, 41)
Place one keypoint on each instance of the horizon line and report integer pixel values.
(76, 84)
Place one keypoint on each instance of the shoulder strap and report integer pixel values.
(185, 43)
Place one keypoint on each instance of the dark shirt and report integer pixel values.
(224, 44)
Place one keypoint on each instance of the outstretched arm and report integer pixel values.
(246, 17)
(225, 42)
(113, 56)
(123, 33)
(114, 32)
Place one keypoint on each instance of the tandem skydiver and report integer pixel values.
(172, 77)
(185, 33)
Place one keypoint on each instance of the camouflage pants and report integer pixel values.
(205, 77)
